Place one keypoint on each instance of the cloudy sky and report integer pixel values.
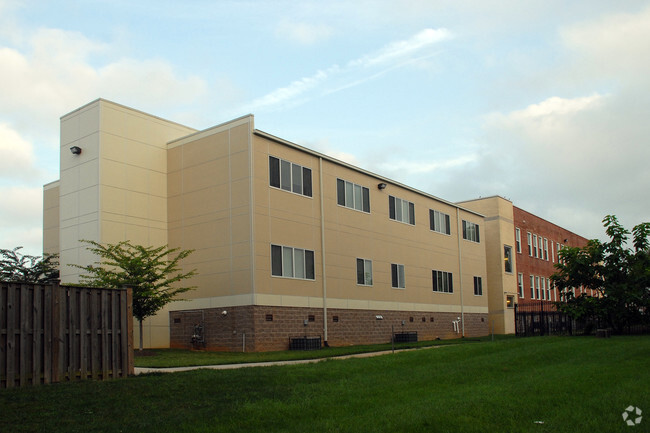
(546, 103)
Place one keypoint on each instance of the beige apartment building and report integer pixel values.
(288, 242)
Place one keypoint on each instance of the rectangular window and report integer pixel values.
(401, 210)
(537, 288)
(442, 282)
(520, 284)
(439, 222)
(471, 231)
(546, 249)
(289, 176)
(397, 276)
(478, 286)
(543, 288)
(535, 246)
(364, 272)
(530, 244)
(552, 253)
(532, 287)
(352, 195)
(541, 248)
(292, 262)
(507, 258)
(518, 240)
(548, 289)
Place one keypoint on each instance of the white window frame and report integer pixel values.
(291, 187)
(478, 286)
(353, 196)
(367, 272)
(520, 284)
(530, 244)
(507, 259)
(518, 240)
(471, 231)
(537, 287)
(546, 249)
(445, 278)
(535, 246)
(532, 287)
(439, 222)
(404, 210)
(397, 270)
(543, 288)
(294, 263)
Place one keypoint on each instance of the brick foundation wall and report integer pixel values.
(269, 328)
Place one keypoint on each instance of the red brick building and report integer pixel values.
(537, 243)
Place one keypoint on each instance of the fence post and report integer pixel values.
(129, 329)
(55, 333)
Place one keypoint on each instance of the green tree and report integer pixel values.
(151, 272)
(15, 266)
(618, 273)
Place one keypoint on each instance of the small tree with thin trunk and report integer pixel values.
(151, 272)
(15, 266)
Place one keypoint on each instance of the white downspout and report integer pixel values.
(460, 271)
(322, 247)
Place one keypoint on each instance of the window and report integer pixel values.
(478, 286)
(552, 253)
(543, 288)
(471, 231)
(443, 282)
(289, 176)
(439, 222)
(537, 288)
(510, 301)
(352, 195)
(548, 289)
(401, 210)
(292, 262)
(535, 246)
(541, 249)
(546, 249)
(532, 287)
(507, 258)
(520, 284)
(530, 244)
(397, 275)
(518, 240)
(364, 272)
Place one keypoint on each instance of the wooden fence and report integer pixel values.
(52, 333)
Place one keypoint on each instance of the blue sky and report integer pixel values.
(546, 103)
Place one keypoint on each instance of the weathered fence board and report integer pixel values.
(51, 333)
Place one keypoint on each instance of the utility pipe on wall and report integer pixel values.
(460, 271)
(322, 247)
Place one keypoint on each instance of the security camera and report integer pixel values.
(224, 313)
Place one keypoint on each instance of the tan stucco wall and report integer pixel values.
(499, 231)
(51, 218)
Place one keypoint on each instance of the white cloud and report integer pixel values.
(615, 45)
(16, 155)
(423, 167)
(21, 216)
(303, 33)
(399, 50)
(336, 78)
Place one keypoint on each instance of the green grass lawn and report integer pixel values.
(578, 384)
(184, 358)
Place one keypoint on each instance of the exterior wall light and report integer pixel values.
(379, 317)
(76, 150)
(381, 185)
